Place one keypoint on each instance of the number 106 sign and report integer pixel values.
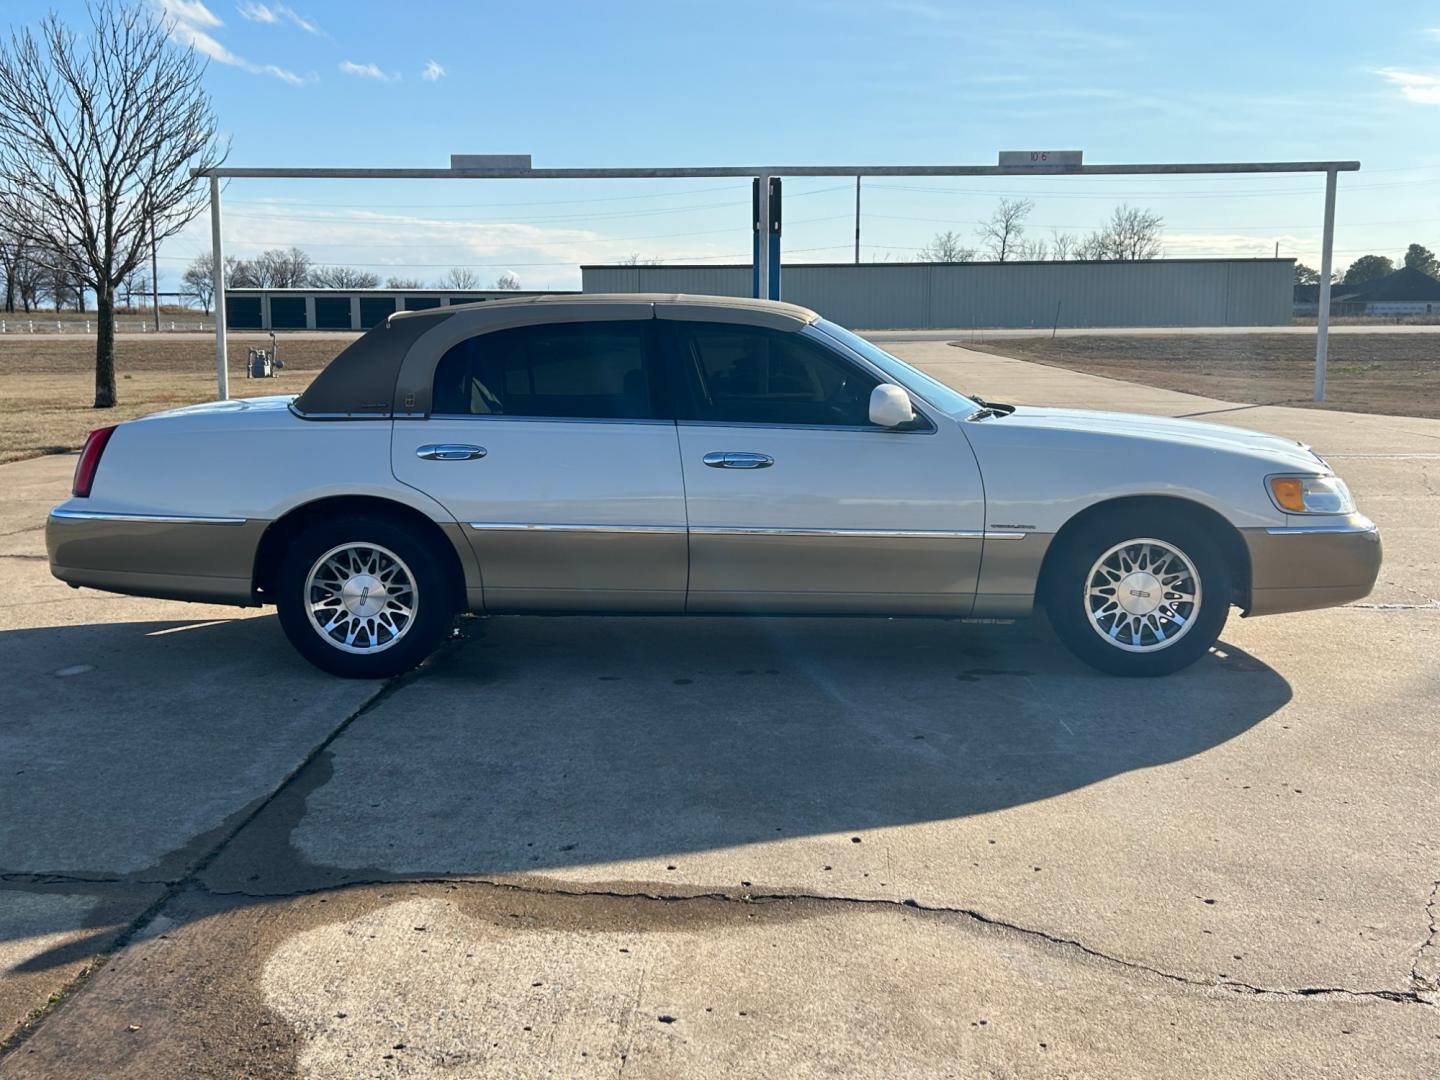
(1040, 159)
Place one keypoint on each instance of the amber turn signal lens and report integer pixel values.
(1289, 493)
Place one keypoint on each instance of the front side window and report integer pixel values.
(752, 375)
(574, 370)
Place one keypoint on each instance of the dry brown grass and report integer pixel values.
(47, 384)
(1393, 374)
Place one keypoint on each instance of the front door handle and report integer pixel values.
(449, 452)
(737, 459)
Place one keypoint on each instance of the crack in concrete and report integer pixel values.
(1420, 993)
(1408, 997)
(1421, 982)
(27, 1027)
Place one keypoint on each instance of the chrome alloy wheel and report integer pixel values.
(1142, 595)
(361, 598)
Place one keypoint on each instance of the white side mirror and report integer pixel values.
(890, 406)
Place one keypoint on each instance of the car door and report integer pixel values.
(553, 446)
(796, 502)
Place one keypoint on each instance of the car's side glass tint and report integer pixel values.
(577, 370)
(752, 375)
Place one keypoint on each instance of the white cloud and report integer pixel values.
(1420, 87)
(368, 71)
(191, 12)
(274, 14)
(190, 21)
(433, 71)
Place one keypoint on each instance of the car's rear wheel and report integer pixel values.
(1134, 596)
(363, 597)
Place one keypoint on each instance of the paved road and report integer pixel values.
(732, 847)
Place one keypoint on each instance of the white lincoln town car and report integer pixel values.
(695, 455)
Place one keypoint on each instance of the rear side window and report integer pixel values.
(596, 371)
(753, 375)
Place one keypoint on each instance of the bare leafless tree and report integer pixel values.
(507, 280)
(282, 268)
(200, 277)
(1131, 234)
(10, 250)
(98, 134)
(1062, 245)
(343, 277)
(404, 283)
(636, 259)
(1004, 228)
(946, 247)
(1031, 250)
(25, 276)
(460, 277)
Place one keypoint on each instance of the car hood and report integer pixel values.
(1164, 429)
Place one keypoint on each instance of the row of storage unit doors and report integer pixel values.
(348, 309)
(331, 312)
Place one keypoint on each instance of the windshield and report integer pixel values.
(932, 390)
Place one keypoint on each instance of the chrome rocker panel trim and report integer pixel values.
(153, 519)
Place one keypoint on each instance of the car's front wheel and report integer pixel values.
(363, 597)
(1133, 596)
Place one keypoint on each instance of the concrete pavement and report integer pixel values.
(733, 847)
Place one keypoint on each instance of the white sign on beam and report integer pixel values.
(1041, 160)
(517, 162)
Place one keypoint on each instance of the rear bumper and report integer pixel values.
(175, 558)
(1301, 567)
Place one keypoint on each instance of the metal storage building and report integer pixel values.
(888, 296)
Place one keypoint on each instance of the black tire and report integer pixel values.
(1068, 601)
(434, 598)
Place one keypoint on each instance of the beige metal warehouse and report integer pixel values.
(888, 296)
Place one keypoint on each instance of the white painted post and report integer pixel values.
(1322, 314)
(222, 370)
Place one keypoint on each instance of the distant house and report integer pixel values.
(1405, 292)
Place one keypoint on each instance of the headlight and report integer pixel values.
(1311, 494)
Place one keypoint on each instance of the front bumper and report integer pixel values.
(1301, 567)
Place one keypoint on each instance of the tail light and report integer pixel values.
(90, 461)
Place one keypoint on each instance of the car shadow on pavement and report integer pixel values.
(537, 746)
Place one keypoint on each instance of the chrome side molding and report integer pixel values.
(153, 519)
(515, 526)
(1359, 527)
(745, 530)
(864, 534)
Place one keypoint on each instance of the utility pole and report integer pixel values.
(857, 221)
(1277, 249)
(154, 275)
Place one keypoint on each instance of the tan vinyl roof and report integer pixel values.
(773, 308)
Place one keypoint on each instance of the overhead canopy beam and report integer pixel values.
(701, 172)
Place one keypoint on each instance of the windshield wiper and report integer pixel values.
(988, 408)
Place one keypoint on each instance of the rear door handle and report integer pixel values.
(737, 459)
(449, 452)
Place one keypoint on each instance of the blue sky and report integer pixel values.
(815, 81)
